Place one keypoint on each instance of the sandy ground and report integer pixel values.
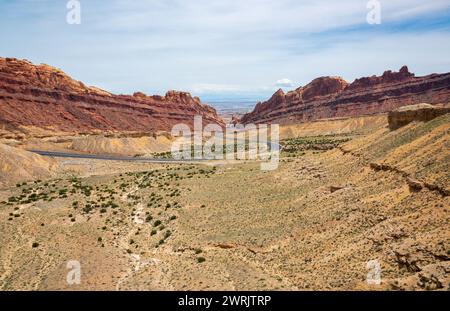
(315, 223)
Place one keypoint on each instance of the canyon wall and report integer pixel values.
(421, 112)
(333, 97)
(43, 97)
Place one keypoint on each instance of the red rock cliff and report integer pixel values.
(45, 97)
(330, 97)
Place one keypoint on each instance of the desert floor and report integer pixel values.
(314, 223)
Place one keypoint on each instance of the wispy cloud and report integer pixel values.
(284, 83)
(225, 46)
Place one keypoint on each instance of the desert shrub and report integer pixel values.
(87, 208)
(167, 234)
(201, 259)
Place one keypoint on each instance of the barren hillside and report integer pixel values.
(336, 202)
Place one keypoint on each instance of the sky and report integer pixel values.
(226, 49)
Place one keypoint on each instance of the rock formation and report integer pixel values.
(332, 97)
(421, 112)
(41, 96)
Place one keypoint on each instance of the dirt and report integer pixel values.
(314, 224)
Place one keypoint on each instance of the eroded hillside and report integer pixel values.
(36, 98)
(336, 203)
(333, 97)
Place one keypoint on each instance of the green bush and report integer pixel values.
(167, 234)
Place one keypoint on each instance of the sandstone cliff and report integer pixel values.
(421, 112)
(331, 97)
(41, 96)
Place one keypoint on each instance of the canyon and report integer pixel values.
(40, 100)
(333, 97)
(354, 185)
(44, 97)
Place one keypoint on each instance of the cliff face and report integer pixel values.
(331, 97)
(421, 112)
(45, 97)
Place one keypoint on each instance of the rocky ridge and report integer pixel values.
(333, 97)
(42, 96)
(421, 112)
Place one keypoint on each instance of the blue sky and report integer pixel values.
(223, 49)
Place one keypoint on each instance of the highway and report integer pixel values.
(58, 154)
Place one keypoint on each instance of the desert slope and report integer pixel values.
(314, 223)
(17, 165)
(331, 97)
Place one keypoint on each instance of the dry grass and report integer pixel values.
(312, 224)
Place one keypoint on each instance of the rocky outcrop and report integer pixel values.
(421, 112)
(45, 97)
(333, 97)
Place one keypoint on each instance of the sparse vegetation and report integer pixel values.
(257, 230)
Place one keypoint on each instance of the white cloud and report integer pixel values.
(250, 16)
(284, 83)
(223, 46)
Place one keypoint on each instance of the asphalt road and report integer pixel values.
(108, 158)
(58, 154)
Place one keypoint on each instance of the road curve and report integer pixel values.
(58, 154)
